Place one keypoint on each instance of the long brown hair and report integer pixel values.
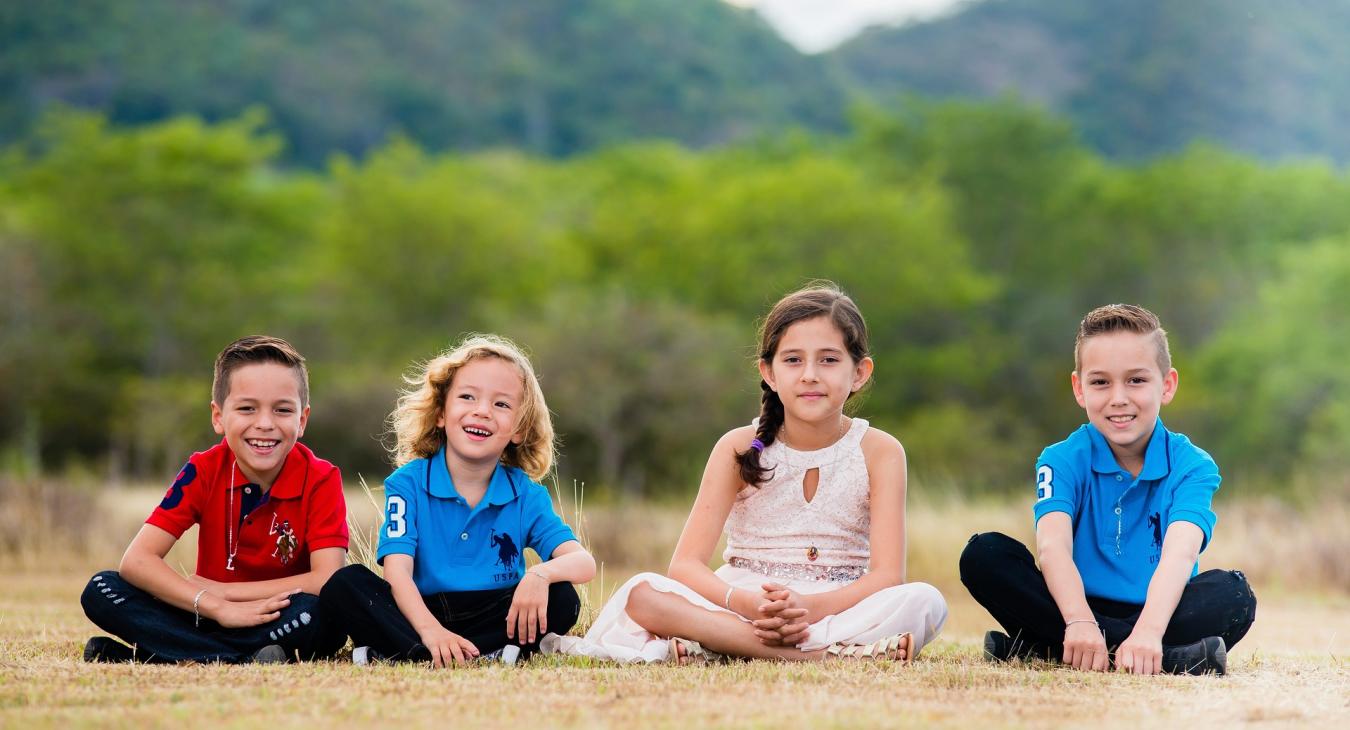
(818, 299)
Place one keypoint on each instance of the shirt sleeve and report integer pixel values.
(544, 530)
(1194, 495)
(326, 523)
(182, 505)
(1057, 486)
(398, 534)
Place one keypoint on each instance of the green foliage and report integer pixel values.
(1139, 78)
(137, 251)
(553, 78)
(1278, 391)
(972, 235)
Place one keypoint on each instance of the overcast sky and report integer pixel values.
(816, 25)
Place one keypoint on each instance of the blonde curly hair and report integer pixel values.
(413, 420)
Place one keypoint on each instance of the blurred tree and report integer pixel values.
(641, 388)
(144, 251)
(1276, 389)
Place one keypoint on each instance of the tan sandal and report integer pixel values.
(897, 648)
(688, 651)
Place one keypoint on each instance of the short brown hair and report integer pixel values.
(413, 422)
(257, 349)
(1122, 318)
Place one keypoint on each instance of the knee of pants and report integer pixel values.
(980, 556)
(564, 607)
(345, 582)
(100, 593)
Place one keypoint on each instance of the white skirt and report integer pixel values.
(917, 608)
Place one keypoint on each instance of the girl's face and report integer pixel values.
(480, 412)
(812, 371)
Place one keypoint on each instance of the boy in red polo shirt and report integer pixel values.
(273, 528)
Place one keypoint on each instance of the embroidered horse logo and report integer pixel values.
(1155, 521)
(286, 540)
(507, 552)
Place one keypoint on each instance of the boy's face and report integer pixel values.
(261, 418)
(480, 411)
(1122, 389)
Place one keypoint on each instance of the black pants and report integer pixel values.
(162, 633)
(1001, 574)
(363, 604)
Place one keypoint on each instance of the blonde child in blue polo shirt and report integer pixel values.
(473, 436)
(1122, 514)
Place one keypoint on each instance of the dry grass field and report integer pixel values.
(1293, 669)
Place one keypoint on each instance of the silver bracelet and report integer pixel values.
(538, 575)
(1092, 621)
(726, 602)
(197, 614)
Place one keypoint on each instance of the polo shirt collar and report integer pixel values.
(1155, 455)
(290, 481)
(501, 488)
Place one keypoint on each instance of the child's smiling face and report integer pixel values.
(261, 418)
(481, 409)
(1122, 387)
(812, 371)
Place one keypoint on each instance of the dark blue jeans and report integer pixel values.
(161, 633)
(1002, 576)
(363, 604)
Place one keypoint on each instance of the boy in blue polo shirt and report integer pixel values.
(1122, 514)
(473, 435)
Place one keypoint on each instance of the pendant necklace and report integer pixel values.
(812, 552)
(231, 540)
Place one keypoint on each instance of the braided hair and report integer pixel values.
(818, 299)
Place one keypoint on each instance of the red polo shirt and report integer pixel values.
(304, 511)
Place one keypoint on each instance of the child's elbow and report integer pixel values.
(586, 572)
(131, 565)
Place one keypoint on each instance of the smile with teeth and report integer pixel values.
(262, 443)
(476, 431)
(1120, 419)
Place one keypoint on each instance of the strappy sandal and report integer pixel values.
(688, 651)
(898, 647)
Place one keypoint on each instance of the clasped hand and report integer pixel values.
(782, 615)
(232, 612)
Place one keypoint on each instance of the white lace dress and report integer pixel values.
(775, 534)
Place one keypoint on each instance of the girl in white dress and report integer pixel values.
(813, 505)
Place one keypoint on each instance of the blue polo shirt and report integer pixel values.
(456, 548)
(1119, 521)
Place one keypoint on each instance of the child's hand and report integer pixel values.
(1140, 654)
(240, 614)
(785, 616)
(778, 598)
(528, 618)
(788, 628)
(1085, 647)
(446, 646)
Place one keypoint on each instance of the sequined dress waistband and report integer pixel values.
(800, 571)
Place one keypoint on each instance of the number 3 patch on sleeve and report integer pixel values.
(1045, 488)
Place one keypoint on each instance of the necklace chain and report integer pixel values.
(231, 540)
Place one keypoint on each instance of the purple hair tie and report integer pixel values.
(757, 445)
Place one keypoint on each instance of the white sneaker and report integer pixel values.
(506, 655)
(361, 656)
